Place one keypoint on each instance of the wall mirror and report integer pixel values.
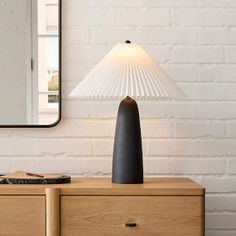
(30, 75)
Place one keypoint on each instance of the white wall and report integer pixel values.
(194, 40)
(14, 60)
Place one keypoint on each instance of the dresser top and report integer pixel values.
(103, 186)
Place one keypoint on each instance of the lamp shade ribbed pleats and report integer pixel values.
(127, 70)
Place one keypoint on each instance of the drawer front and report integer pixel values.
(22, 215)
(153, 216)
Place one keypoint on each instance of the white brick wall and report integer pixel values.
(194, 41)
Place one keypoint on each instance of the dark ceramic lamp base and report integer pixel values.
(127, 165)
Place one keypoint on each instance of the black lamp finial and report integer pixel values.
(128, 41)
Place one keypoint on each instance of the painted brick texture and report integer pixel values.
(194, 41)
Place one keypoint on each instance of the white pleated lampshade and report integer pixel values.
(127, 70)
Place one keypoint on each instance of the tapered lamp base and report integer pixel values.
(127, 167)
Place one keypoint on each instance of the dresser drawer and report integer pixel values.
(153, 215)
(22, 215)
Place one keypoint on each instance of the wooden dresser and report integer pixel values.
(95, 207)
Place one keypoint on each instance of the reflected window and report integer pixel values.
(46, 102)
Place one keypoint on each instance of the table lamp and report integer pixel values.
(127, 72)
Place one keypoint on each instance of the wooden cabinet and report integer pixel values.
(95, 207)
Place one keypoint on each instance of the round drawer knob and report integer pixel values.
(130, 225)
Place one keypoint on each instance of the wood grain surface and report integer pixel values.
(154, 216)
(53, 212)
(22, 216)
(103, 186)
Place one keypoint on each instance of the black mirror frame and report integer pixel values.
(60, 81)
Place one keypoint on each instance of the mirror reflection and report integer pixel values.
(29, 62)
